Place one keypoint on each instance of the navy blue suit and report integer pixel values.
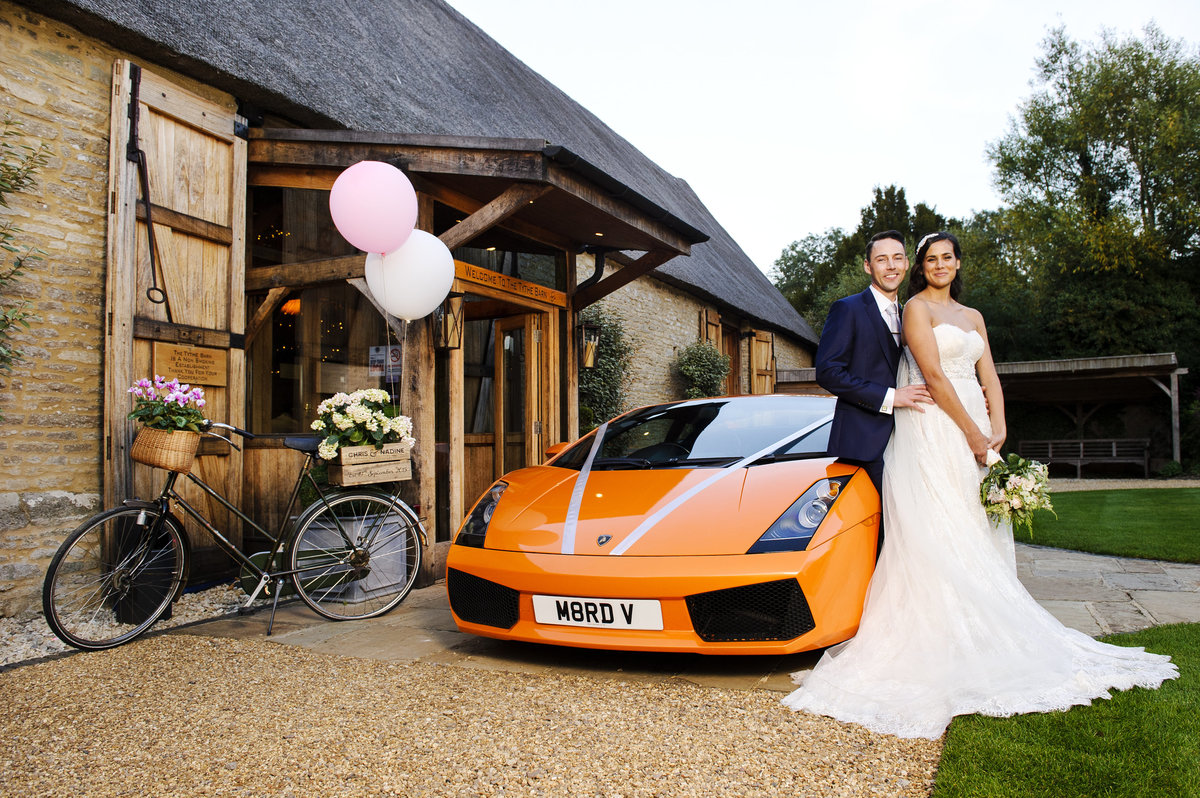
(856, 362)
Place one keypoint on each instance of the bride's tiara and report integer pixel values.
(926, 238)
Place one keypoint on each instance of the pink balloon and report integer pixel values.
(373, 206)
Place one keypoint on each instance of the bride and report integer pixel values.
(947, 629)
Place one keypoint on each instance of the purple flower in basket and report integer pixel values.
(167, 405)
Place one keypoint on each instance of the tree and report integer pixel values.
(1101, 170)
(997, 283)
(819, 269)
(805, 267)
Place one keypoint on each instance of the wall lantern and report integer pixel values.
(589, 343)
(448, 322)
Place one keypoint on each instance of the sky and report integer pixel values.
(784, 115)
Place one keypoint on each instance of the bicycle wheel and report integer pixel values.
(357, 554)
(113, 577)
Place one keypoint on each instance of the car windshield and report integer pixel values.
(708, 433)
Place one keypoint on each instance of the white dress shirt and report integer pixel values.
(892, 324)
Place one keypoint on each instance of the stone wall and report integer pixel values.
(57, 82)
(660, 320)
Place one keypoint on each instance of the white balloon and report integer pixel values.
(411, 281)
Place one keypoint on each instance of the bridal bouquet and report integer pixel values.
(1014, 489)
(362, 418)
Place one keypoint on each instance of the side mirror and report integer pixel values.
(551, 451)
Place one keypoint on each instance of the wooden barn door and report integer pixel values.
(196, 169)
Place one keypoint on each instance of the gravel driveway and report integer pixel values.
(185, 715)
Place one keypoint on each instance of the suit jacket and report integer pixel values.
(857, 359)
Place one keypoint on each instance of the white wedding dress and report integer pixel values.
(947, 629)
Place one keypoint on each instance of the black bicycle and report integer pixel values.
(352, 553)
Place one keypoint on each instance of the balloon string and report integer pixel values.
(403, 347)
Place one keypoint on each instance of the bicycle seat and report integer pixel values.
(303, 443)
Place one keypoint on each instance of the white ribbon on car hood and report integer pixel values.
(568, 536)
(662, 513)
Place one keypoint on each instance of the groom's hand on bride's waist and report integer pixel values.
(913, 396)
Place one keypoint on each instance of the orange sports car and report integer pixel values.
(717, 526)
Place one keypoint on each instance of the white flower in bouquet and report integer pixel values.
(1014, 489)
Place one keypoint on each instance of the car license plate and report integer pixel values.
(600, 613)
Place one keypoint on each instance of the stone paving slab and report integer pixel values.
(1117, 617)
(1170, 606)
(1142, 581)
(1074, 614)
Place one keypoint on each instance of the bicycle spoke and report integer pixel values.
(113, 578)
(357, 555)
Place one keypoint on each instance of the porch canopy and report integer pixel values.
(1079, 387)
(496, 187)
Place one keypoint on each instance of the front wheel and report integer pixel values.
(113, 577)
(356, 554)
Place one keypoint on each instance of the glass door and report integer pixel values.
(511, 381)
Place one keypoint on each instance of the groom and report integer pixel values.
(857, 359)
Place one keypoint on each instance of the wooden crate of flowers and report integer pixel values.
(364, 442)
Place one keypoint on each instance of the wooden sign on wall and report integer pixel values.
(195, 365)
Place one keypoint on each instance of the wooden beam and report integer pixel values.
(181, 222)
(263, 312)
(461, 202)
(511, 200)
(155, 330)
(572, 183)
(281, 176)
(305, 273)
(514, 165)
(620, 278)
(399, 326)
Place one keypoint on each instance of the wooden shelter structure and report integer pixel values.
(1077, 387)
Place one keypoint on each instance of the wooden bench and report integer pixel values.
(1089, 450)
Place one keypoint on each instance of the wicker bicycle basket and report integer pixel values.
(172, 450)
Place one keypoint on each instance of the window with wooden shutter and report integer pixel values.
(710, 323)
(762, 363)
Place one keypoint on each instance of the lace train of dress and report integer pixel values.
(947, 628)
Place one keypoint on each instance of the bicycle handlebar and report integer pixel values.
(208, 429)
(218, 424)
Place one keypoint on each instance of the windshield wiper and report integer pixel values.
(782, 458)
(621, 462)
(700, 461)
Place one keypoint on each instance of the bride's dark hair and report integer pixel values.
(917, 281)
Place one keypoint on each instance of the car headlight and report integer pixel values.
(475, 529)
(795, 528)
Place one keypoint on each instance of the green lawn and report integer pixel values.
(1152, 523)
(1141, 743)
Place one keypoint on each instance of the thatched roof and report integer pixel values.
(413, 66)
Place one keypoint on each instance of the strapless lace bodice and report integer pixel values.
(960, 350)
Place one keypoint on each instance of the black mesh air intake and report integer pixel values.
(478, 600)
(766, 611)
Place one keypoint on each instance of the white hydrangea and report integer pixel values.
(364, 411)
